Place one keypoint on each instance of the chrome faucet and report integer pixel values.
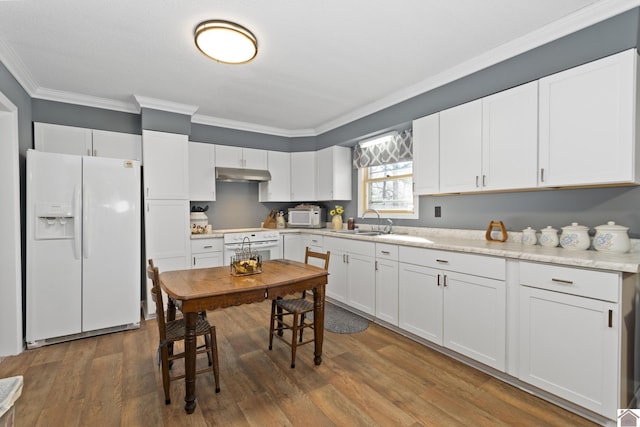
(386, 229)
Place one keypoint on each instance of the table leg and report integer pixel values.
(318, 323)
(190, 361)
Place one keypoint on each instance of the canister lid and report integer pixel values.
(575, 227)
(611, 226)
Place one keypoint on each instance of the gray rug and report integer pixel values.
(341, 321)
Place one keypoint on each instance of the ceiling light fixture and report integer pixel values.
(226, 42)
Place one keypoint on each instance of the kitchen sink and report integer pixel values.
(364, 233)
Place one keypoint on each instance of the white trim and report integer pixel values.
(160, 104)
(250, 127)
(11, 341)
(385, 215)
(85, 100)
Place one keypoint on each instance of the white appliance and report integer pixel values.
(307, 216)
(83, 246)
(266, 243)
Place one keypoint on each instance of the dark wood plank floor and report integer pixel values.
(373, 378)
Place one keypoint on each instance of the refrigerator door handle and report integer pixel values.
(76, 222)
(86, 199)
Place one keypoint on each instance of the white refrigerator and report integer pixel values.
(83, 246)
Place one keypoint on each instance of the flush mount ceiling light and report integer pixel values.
(226, 42)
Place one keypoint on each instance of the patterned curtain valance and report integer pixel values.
(388, 149)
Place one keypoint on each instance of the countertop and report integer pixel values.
(473, 241)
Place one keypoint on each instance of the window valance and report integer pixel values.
(390, 148)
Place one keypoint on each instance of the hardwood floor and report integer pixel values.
(371, 378)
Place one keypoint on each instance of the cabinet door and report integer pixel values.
(334, 170)
(228, 156)
(420, 301)
(292, 247)
(587, 123)
(253, 158)
(166, 164)
(475, 318)
(338, 276)
(279, 188)
(117, 145)
(62, 139)
(426, 155)
(303, 176)
(569, 347)
(510, 139)
(361, 283)
(461, 148)
(202, 182)
(206, 260)
(387, 291)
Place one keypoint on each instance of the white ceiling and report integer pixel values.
(320, 64)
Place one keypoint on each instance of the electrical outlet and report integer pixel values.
(438, 212)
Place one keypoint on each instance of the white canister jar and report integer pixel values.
(611, 238)
(549, 237)
(529, 236)
(575, 236)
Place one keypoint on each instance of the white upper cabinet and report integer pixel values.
(510, 139)
(202, 160)
(166, 160)
(86, 142)
(303, 176)
(334, 173)
(279, 188)
(588, 123)
(426, 155)
(461, 148)
(239, 157)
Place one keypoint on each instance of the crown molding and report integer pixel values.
(579, 20)
(16, 67)
(251, 127)
(85, 100)
(170, 106)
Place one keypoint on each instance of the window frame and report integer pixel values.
(362, 196)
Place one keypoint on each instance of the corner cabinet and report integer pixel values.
(588, 123)
(334, 170)
(202, 162)
(465, 312)
(574, 337)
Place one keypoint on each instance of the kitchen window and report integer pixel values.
(385, 175)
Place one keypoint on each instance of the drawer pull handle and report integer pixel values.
(611, 318)
(386, 252)
(207, 247)
(442, 261)
(564, 282)
(438, 282)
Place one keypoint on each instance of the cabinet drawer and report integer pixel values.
(476, 265)
(574, 281)
(206, 245)
(350, 246)
(387, 251)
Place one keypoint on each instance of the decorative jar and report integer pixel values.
(336, 222)
(575, 236)
(549, 237)
(529, 236)
(611, 238)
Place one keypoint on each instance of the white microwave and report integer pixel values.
(306, 217)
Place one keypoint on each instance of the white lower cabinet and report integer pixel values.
(572, 329)
(352, 273)
(463, 312)
(387, 283)
(206, 253)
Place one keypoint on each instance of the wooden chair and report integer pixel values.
(173, 331)
(296, 309)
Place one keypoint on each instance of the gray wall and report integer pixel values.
(238, 206)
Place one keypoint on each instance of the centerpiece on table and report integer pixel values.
(336, 217)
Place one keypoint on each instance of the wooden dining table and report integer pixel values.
(203, 289)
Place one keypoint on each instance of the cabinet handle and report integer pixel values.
(442, 261)
(95, 153)
(88, 151)
(541, 174)
(147, 191)
(386, 252)
(438, 282)
(344, 258)
(444, 280)
(194, 261)
(347, 255)
(207, 247)
(611, 318)
(564, 282)
(484, 180)
(477, 179)
(376, 266)
(147, 207)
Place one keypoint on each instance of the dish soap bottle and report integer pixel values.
(280, 220)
